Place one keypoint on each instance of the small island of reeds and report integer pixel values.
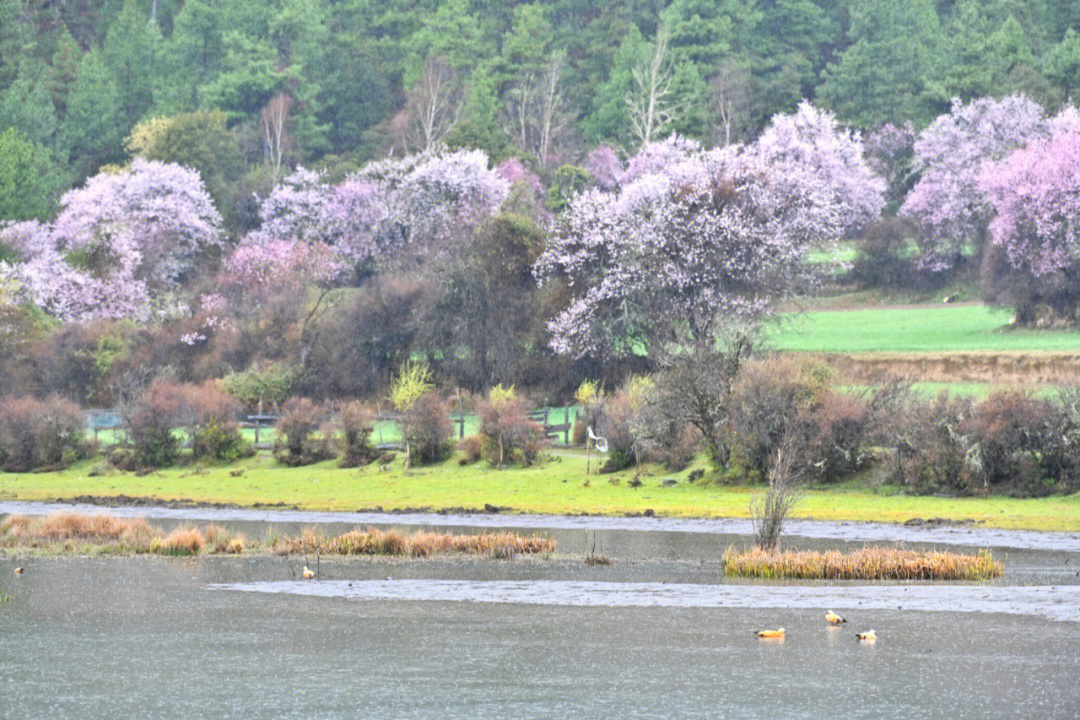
(73, 534)
(870, 563)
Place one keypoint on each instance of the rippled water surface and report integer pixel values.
(658, 634)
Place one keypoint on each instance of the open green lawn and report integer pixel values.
(925, 329)
(558, 486)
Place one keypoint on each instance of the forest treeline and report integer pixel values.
(333, 84)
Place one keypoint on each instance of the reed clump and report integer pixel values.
(870, 563)
(372, 541)
(184, 541)
(73, 533)
(71, 526)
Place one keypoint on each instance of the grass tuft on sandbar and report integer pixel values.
(870, 563)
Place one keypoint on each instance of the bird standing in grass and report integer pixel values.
(770, 634)
(309, 574)
(868, 636)
(834, 619)
(19, 571)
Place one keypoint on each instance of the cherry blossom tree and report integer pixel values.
(674, 255)
(950, 154)
(810, 141)
(695, 239)
(119, 244)
(889, 151)
(604, 165)
(161, 210)
(443, 197)
(513, 171)
(347, 217)
(43, 276)
(1035, 196)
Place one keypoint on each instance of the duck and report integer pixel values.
(834, 619)
(868, 636)
(770, 634)
(309, 574)
(19, 571)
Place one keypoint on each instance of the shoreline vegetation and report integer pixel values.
(557, 486)
(71, 533)
(869, 563)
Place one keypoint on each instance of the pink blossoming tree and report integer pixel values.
(948, 201)
(693, 240)
(120, 243)
(1035, 196)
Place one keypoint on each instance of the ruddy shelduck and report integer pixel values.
(309, 574)
(834, 619)
(770, 634)
(868, 636)
(19, 571)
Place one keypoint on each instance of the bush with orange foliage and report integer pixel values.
(297, 442)
(353, 425)
(40, 433)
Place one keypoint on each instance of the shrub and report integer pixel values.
(212, 423)
(884, 257)
(506, 432)
(149, 423)
(679, 449)
(838, 427)
(40, 433)
(1007, 432)
(617, 425)
(297, 443)
(353, 426)
(427, 430)
(929, 447)
(588, 396)
(771, 399)
(472, 447)
(1061, 447)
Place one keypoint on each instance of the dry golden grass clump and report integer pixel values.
(373, 541)
(68, 532)
(183, 541)
(70, 526)
(871, 563)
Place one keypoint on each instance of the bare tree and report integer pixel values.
(651, 103)
(553, 115)
(536, 110)
(730, 89)
(432, 107)
(273, 124)
(785, 488)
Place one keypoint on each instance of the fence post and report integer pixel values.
(566, 422)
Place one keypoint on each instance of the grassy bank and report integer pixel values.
(559, 486)
(920, 329)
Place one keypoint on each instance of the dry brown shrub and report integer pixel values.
(16, 525)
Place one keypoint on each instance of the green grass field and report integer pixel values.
(927, 329)
(559, 485)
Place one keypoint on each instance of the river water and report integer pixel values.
(659, 633)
